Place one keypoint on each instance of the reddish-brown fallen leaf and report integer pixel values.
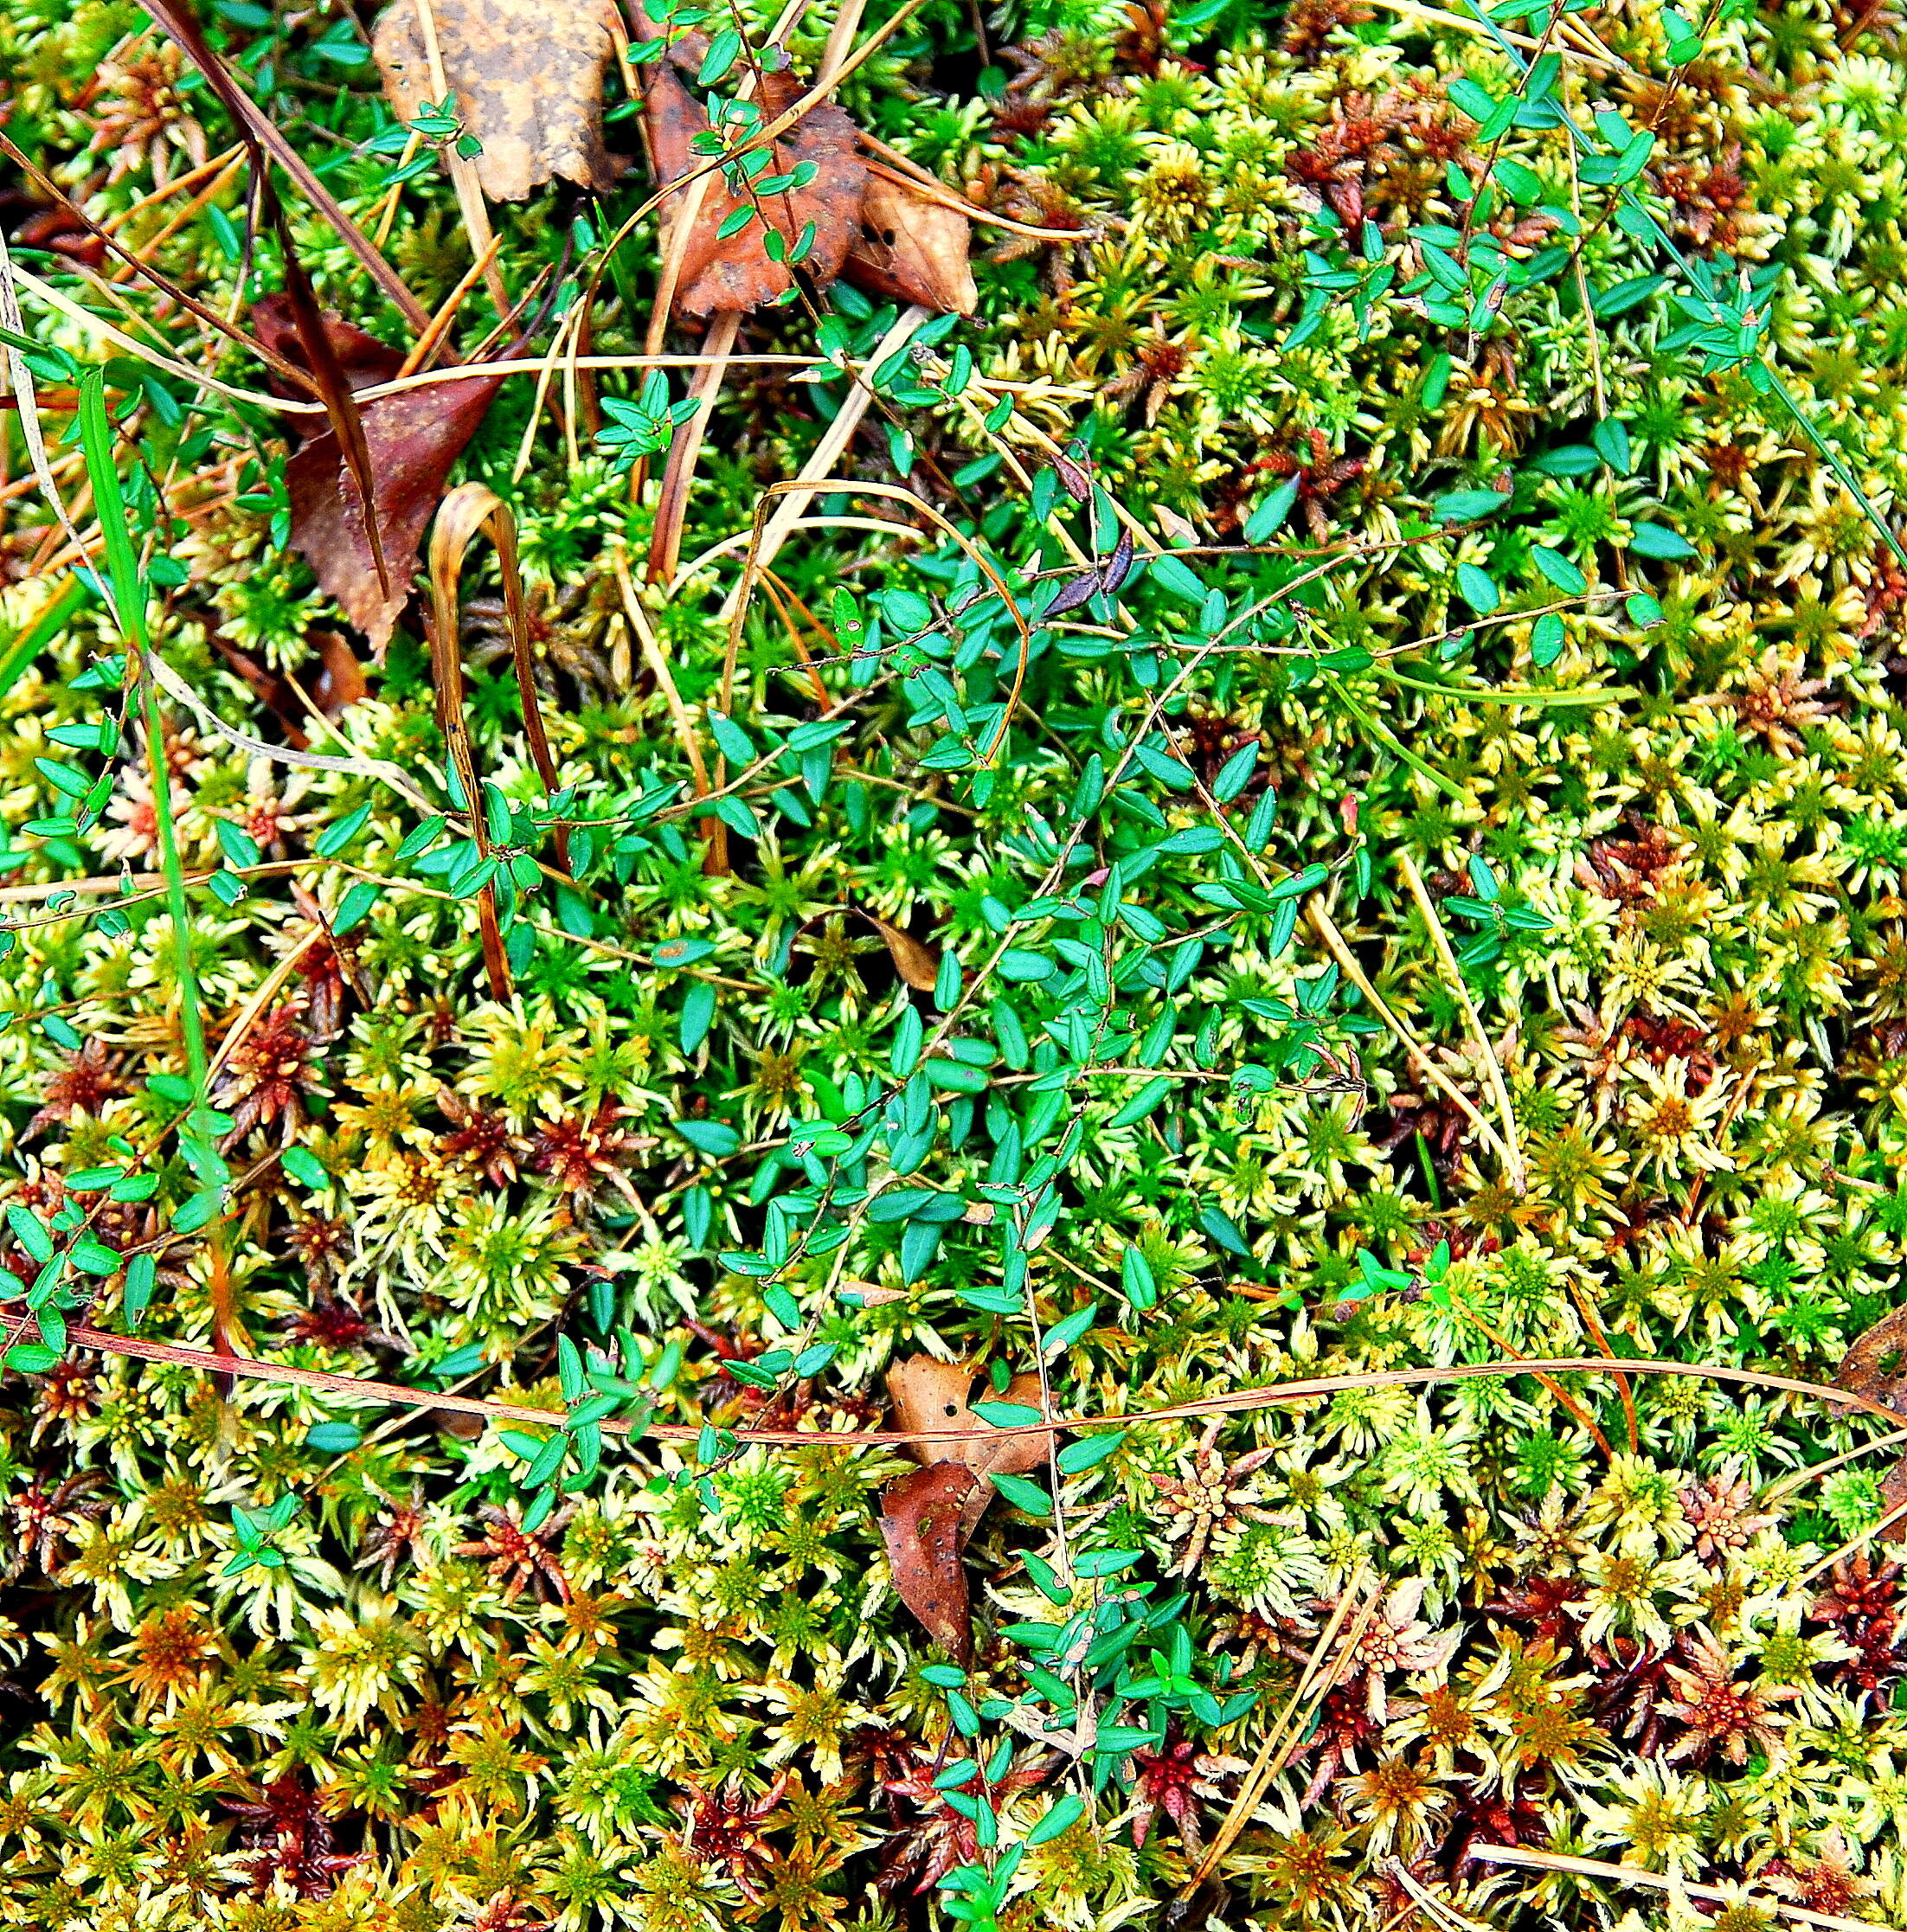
(909, 248)
(929, 1394)
(921, 1519)
(361, 357)
(733, 274)
(528, 78)
(413, 438)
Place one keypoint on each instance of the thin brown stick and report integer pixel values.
(180, 25)
(426, 346)
(177, 186)
(1237, 1402)
(1282, 1738)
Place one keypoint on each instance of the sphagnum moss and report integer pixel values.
(1470, 560)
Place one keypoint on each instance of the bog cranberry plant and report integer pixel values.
(954, 965)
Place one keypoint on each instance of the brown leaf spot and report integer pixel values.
(528, 78)
(921, 1519)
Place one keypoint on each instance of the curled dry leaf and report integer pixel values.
(921, 1519)
(413, 437)
(732, 273)
(909, 248)
(918, 966)
(528, 77)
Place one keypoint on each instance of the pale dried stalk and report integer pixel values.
(686, 448)
(426, 344)
(268, 992)
(1492, 1068)
(462, 174)
(1853, 1545)
(1347, 961)
(658, 668)
(1283, 1737)
(821, 460)
(1799, 1478)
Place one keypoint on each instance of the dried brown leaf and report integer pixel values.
(413, 439)
(360, 357)
(1875, 1367)
(528, 78)
(734, 274)
(922, 1524)
(909, 248)
(918, 966)
(929, 1394)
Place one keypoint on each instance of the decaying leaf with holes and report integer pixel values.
(1875, 1367)
(928, 1394)
(910, 246)
(528, 78)
(728, 273)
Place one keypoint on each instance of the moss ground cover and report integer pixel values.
(1263, 880)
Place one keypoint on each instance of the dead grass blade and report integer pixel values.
(261, 131)
(1286, 1733)
(825, 454)
(137, 265)
(684, 451)
(469, 508)
(1347, 961)
(446, 665)
(1493, 1068)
